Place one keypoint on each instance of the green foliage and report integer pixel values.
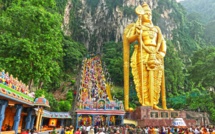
(117, 92)
(69, 96)
(156, 16)
(48, 5)
(196, 99)
(75, 22)
(202, 69)
(61, 4)
(188, 36)
(177, 102)
(63, 105)
(31, 42)
(4, 4)
(74, 53)
(133, 99)
(111, 4)
(177, 11)
(73, 82)
(128, 11)
(54, 106)
(173, 71)
(93, 4)
(66, 105)
(204, 8)
(209, 33)
(113, 59)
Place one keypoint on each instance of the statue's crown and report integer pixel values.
(142, 9)
(146, 7)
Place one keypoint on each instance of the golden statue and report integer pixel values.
(147, 62)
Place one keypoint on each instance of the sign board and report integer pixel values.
(178, 122)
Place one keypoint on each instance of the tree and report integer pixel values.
(174, 75)
(204, 8)
(65, 106)
(196, 28)
(113, 59)
(209, 33)
(202, 69)
(4, 4)
(74, 53)
(31, 41)
(54, 104)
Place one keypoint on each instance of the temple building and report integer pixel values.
(95, 106)
(20, 110)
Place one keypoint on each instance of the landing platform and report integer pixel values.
(146, 116)
(101, 112)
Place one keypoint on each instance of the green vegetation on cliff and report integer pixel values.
(34, 49)
(31, 41)
(204, 7)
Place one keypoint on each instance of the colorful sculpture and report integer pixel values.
(147, 60)
(13, 83)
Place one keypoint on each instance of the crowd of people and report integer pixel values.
(29, 131)
(128, 129)
(93, 91)
(93, 79)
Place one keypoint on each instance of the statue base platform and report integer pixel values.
(146, 116)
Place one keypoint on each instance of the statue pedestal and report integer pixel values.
(146, 116)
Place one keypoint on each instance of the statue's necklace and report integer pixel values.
(151, 31)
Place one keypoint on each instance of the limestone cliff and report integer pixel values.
(104, 20)
(66, 17)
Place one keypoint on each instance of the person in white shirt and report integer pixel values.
(196, 131)
(146, 130)
(88, 128)
(91, 131)
(100, 131)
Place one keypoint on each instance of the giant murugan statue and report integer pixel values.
(147, 61)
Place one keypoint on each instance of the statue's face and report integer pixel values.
(147, 17)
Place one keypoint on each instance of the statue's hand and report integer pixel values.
(138, 29)
(160, 55)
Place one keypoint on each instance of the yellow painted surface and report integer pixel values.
(126, 121)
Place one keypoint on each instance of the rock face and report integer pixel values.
(103, 23)
(66, 18)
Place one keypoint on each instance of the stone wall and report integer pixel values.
(146, 116)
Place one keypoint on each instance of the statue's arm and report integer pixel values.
(132, 38)
(131, 34)
(162, 44)
(162, 49)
